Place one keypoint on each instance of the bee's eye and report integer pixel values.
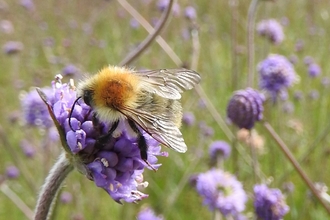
(88, 96)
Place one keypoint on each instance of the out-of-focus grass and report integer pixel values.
(78, 27)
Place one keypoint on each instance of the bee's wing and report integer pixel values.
(160, 128)
(169, 83)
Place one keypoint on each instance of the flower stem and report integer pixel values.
(295, 164)
(250, 29)
(49, 190)
(161, 24)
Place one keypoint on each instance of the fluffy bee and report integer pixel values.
(146, 99)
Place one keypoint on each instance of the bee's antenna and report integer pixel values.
(70, 115)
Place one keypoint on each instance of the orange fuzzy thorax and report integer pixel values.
(116, 87)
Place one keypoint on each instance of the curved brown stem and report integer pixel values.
(144, 45)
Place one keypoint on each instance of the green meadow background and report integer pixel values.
(93, 34)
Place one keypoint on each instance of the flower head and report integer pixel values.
(269, 203)
(190, 13)
(70, 70)
(245, 108)
(314, 70)
(276, 74)
(188, 118)
(12, 47)
(221, 191)
(12, 172)
(219, 149)
(34, 109)
(148, 214)
(113, 163)
(272, 30)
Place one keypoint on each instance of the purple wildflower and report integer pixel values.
(28, 4)
(276, 74)
(70, 69)
(269, 203)
(162, 5)
(134, 23)
(6, 27)
(205, 130)
(66, 197)
(12, 47)
(27, 148)
(245, 108)
(34, 109)
(148, 214)
(219, 149)
(12, 172)
(308, 60)
(271, 29)
(188, 118)
(115, 165)
(314, 70)
(221, 191)
(190, 13)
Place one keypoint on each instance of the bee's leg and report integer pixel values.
(142, 143)
(103, 139)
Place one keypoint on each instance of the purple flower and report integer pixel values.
(28, 4)
(219, 149)
(6, 27)
(221, 191)
(66, 197)
(314, 70)
(269, 203)
(276, 74)
(162, 5)
(190, 13)
(134, 23)
(34, 109)
(245, 108)
(271, 29)
(70, 70)
(12, 47)
(27, 149)
(114, 164)
(148, 214)
(205, 130)
(188, 118)
(12, 172)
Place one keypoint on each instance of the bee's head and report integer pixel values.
(87, 96)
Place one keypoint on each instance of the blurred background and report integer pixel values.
(40, 39)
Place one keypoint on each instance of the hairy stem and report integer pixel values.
(161, 24)
(295, 164)
(250, 28)
(49, 190)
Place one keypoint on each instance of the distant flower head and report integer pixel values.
(66, 197)
(221, 191)
(308, 60)
(134, 23)
(70, 69)
(34, 109)
(314, 70)
(27, 149)
(276, 74)
(12, 47)
(163, 4)
(219, 149)
(245, 108)
(148, 214)
(190, 13)
(28, 4)
(12, 172)
(188, 118)
(114, 164)
(314, 94)
(269, 203)
(271, 29)
(205, 130)
(6, 27)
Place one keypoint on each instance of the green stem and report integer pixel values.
(52, 184)
(295, 164)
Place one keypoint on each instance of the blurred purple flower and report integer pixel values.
(34, 109)
(314, 70)
(66, 197)
(188, 118)
(308, 60)
(245, 108)
(162, 5)
(299, 46)
(288, 107)
(70, 69)
(221, 191)
(134, 23)
(219, 149)
(190, 13)
(27, 148)
(276, 74)
(12, 47)
(269, 203)
(12, 172)
(298, 95)
(116, 165)
(6, 27)
(293, 59)
(28, 4)
(271, 29)
(314, 94)
(148, 214)
(205, 130)
(325, 81)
